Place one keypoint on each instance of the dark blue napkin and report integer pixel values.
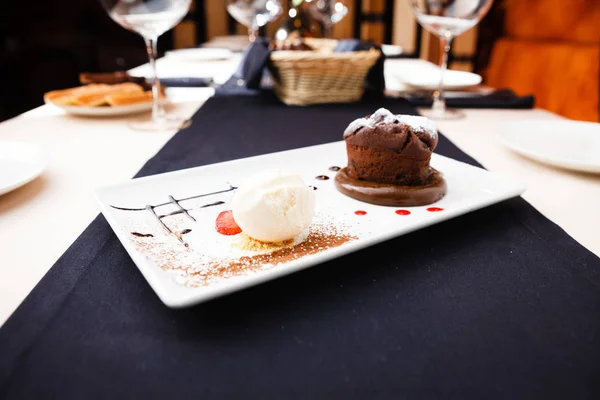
(251, 70)
(502, 98)
(186, 82)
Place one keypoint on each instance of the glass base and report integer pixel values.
(162, 124)
(444, 114)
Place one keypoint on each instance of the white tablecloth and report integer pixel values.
(39, 221)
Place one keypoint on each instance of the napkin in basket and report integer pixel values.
(253, 72)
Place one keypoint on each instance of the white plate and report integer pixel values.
(573, 145)
(232, 42)
(391, 50)
(199, 54)
(423, 74)
(470, 188)
(20, 163)
(105, 111)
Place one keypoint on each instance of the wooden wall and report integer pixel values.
(405, 30)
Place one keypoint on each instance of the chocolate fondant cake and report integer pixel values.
(388, 148)
(388, 160)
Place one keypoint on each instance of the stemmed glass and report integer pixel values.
(150, 19)
(327, 13)
(254, 14)
(447, 19)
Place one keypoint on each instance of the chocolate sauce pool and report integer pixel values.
(392, 195)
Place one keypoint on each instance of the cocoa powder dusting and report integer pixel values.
(192, 268)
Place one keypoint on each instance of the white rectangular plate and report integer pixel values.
(182, 276)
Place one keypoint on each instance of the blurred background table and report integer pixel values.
(519, 45)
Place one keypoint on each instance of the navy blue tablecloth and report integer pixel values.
(498, 304)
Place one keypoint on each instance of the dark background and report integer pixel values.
(44, 45)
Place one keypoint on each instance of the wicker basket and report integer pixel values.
(320, 75)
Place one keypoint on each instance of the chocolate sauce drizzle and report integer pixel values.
(142, 234)
(180, 210)
(164, 226)
(231, 187)
(183, 210)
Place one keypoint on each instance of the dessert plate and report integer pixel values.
(573, 145)
(20, 163)
(186, 261)
(105, 111)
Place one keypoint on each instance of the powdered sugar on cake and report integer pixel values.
(384, 116)
(419, 124)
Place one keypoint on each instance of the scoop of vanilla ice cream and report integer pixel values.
(273, 205)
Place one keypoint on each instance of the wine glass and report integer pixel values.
(150, 19)
(254, 14)
(327, 13)
(447, 19)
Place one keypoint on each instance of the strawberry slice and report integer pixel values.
(226, 225)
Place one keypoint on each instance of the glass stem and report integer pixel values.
(252, 32)
(158, 110)
(327, 30)
(439, 100)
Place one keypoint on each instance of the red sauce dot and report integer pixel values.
(435, 209)
(360, 212)
(226, 225)
(402, 212)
